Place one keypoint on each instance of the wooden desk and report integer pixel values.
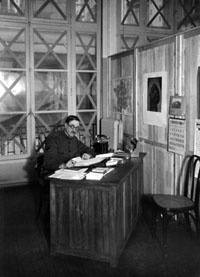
(94, 219)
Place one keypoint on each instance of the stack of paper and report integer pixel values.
(94, 176)
(98, 173)
(102, 170)
(113, 161)
(68, 174)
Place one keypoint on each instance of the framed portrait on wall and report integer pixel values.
(155, 98)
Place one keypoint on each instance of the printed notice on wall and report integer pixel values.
(197, 138)
(177, 135)
(197, 141)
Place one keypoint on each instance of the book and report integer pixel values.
(114, 161)
(68, 174)
(100, 170)
(121, 154)
(92, 175)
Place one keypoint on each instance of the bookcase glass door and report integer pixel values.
(49, 68)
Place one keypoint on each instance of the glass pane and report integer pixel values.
(50, 49)
(127, 66)
(86, 91)
(13, 7)
(54, 9)
(88, 127)
(116, 68)
(130, 10)
(129, 42)
(13, 135)
(46, 123)
(86, 51)
(12, 91)
(86, 10)
(12, 48)
(158, 12)
(51, 91)
(187, 14)
(122, 84)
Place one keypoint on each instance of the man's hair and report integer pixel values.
(70, 118)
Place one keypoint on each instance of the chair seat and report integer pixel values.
(172, 202)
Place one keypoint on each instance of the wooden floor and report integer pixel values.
(24, 251)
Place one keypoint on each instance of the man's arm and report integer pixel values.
(53, 157)
(85, 151)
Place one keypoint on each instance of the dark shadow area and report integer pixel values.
(25, 250)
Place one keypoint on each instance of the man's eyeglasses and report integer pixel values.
(76, 128)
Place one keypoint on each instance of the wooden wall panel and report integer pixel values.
(148, 174)
(158, 163)
(192, 61)
(164, 180)
(179, 56)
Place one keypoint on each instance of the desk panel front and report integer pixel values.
(94, 219)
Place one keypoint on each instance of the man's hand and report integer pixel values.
(70, 163)
(62, 166)
(86, 156)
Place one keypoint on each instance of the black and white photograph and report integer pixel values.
(99, 138)
(154, 99)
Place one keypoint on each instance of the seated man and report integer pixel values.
(62, 146)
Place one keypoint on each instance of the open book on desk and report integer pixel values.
(85, 163)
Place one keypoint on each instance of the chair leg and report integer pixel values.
(39, 208)
(43, 200)
(149, 213)
(154, 220)
(187, 219)
(197, 221)
(165, 222)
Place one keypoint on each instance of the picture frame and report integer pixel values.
(177, 105)
(155, 98)
(122, 95)
(121, 98)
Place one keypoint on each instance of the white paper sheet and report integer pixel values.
(68, 174)
(82, 163)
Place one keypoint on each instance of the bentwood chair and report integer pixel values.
(168, 207)
(43, 197)
(43, 200)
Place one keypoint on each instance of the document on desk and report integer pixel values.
(68, 174)
(95, 174)
(82, 163)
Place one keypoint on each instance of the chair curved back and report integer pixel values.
(192, 180)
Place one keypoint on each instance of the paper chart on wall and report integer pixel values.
(177, 136)
(197, 138)
(197, 141)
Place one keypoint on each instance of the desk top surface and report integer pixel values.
(116, 176)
